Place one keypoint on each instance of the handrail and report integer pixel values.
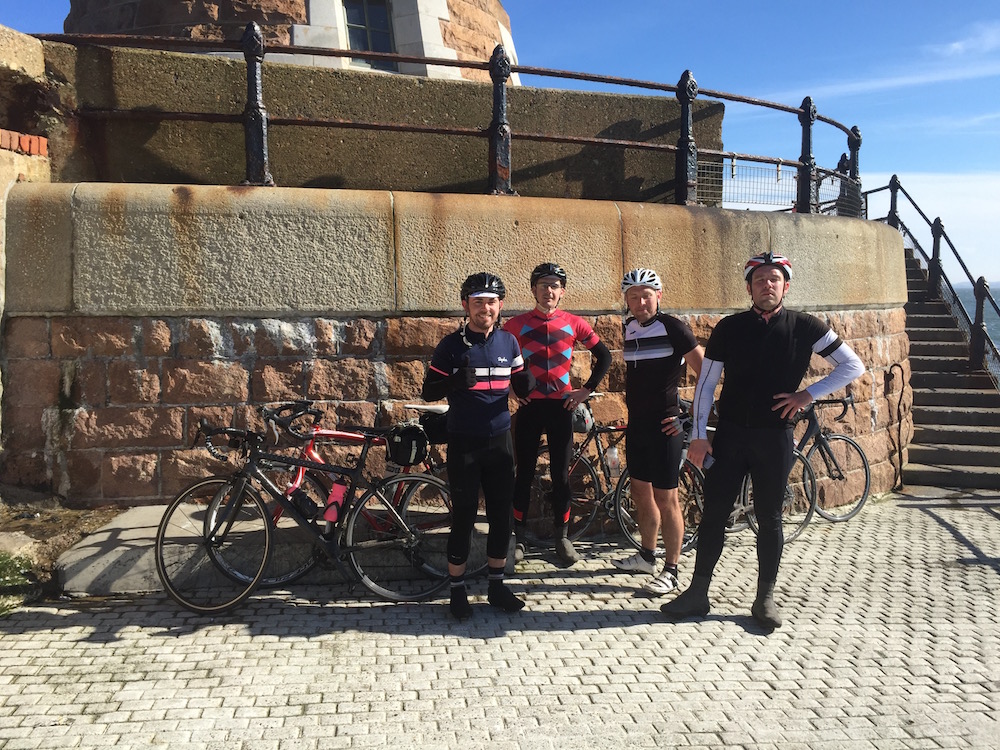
(256, 119)
(983, 354)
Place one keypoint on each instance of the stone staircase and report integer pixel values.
(956, 411)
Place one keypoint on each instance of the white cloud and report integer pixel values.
(985, 38)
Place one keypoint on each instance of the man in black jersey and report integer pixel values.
(765, 353)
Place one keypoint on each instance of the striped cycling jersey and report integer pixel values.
(547, 346)
(654, 364)
(481, 410)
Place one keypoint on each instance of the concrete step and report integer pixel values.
(938, 349)
(957, 365)
(957, 397)
(927, 306)
(930, 320)
(931, 434)
(966, 477)
(980, 417)
(935, 334)
(963, 380)
(937, 454)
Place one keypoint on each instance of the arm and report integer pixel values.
(704, 395)
(847, 367)
(671, 425)
(602, 355)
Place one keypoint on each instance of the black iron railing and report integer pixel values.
(983, 353)
(813, 189)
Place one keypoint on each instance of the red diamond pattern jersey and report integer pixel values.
(547, 347)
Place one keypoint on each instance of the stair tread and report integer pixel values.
(956, 448)
(954, 468)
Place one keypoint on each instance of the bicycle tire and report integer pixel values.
(842, 470)
(294, 553)
(800, 499)
(585, 495)
(401, 556)
(187, 552)
(690, 495)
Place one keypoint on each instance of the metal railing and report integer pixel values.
(983, 353)
(700, 174)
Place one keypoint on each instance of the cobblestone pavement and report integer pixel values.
(890, 641)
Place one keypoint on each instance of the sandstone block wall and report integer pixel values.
(133, 311)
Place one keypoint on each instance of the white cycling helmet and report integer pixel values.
(641, 277)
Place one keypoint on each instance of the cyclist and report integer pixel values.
(656, 347)
(474, 368)
(765, 352)
(547, 335)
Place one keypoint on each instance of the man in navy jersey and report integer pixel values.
(475, 368)
(764, 352)
(656, 347)
(547, 335)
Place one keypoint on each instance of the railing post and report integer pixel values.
(893, 218)
(854, 172)
(934, 267)
(254, 114)
(499, 127)
(977, 348)
(805, 198)
(686, 163)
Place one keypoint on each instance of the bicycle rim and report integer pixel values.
(293, 548)
(189, 550)
(799, 502)
(403, 555)
(691, 496)
(584, 493)
(843, 478)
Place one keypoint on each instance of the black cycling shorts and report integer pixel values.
(653, 456)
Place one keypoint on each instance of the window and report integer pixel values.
(369, 29)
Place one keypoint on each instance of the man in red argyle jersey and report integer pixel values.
(547, 336)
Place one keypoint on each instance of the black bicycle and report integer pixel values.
(843, 477)
(215, 541)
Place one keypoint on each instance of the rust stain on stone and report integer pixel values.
(190, 257)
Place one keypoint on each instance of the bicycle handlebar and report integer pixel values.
(237, 438)
(844, 403)
(286, 415)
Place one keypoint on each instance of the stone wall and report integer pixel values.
(133, 311)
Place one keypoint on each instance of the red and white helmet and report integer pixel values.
(767, 259)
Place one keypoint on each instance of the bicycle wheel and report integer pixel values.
(584, 494)
(293, 548)
(843, 477)
(189, 549)
(799, 503)
(690, 495)
(397, 537)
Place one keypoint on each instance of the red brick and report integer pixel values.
(412, 336)
(32, 382)
(26, 337)
(277, 381)
(130, 475)
(131, 384)
(90, 383)
(23, 143)
(23, 429)
(156, 338)
(122, 427)
(43, 147)
(180, 468)
(342, 380)
(406, 379)
(33, 145)
(99, 337)
(200, 339)
(195, 382)
(5, 139)
(327, 337)
(82, 476)
(360, 337)
(28, 469)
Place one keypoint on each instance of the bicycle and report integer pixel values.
(589, 494)
(215, 540)
(840, 464)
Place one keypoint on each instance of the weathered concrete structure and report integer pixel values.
(132, 310)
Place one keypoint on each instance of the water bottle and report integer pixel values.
(614, 463)
(335, 501)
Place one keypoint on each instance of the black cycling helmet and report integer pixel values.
(483, 284)
(548, 269)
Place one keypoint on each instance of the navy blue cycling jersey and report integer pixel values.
(481, 410)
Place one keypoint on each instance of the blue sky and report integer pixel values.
(920, 80)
